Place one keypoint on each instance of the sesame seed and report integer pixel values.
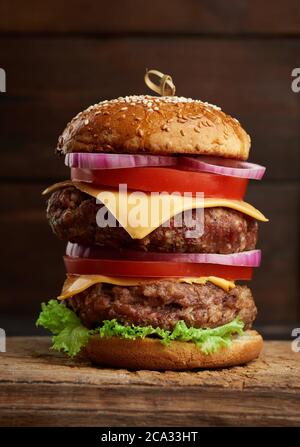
(140, 132)
(86, 122)
(144, 99)
(152, 103)
(196, 129)
(182, 132)
(124, 108)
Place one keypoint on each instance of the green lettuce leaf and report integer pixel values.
(208, 340)
(71, 336)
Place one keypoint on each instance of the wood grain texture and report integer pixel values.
(173, 16)
(39, 387)
(50, 80)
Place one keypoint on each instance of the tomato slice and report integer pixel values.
(167, 180)
(113, 267)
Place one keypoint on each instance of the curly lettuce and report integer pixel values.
(70, 336)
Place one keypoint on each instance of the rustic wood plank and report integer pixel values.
(190, 16)
(50, 80)
(81, 418)
(38, 272)
(40, 387)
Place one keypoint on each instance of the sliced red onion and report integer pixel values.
(116, 161)
(214, 165)
(250, 258)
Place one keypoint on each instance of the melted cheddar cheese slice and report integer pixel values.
(140, 213)
(75, 284)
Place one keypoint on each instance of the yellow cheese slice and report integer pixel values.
(140, 213)
(75, 284)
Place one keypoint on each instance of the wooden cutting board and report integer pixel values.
(40, 387)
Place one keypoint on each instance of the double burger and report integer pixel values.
(158, 237)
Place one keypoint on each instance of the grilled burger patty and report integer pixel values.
(72, 216)
(163, 303)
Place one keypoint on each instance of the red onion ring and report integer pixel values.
(250, 258)
(222, 166)
(116, 161)
(213, 165)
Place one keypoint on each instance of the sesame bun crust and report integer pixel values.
(151, 354)
(155, 125)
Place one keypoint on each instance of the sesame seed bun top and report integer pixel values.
(155, 125)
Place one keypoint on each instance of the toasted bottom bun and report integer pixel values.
(153, 355)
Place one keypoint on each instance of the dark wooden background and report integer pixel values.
(60, 57)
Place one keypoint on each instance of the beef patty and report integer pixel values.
(163, 303)
(72, 216)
